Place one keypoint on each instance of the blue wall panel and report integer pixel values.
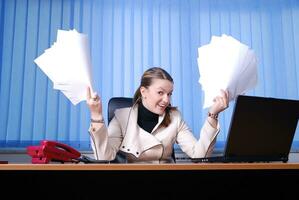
(127, 37)
(7, 51)
(28, 86)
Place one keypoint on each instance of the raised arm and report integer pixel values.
(94, 103)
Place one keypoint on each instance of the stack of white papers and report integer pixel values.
(68, 64)
(226, 64)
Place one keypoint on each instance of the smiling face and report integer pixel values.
(157, 96)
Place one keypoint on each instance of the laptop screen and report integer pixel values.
(262, 129)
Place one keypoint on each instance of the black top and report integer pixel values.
(147, 120)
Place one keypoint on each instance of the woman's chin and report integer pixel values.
(159, 111)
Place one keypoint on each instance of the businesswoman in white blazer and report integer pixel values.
(147, 131)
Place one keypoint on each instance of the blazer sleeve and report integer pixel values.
(194, 148)
(105, 141)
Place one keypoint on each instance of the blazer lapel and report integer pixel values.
(161, 117)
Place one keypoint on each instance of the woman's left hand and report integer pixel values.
(220, 103)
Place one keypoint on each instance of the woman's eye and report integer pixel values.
(170, 94)
(160, 92)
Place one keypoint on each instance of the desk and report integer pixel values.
(242, 180)
(154, 167)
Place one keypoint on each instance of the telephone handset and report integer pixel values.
(52, 151)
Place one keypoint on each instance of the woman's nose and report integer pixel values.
(166, 98)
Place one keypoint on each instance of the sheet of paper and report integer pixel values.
(67, 63)
(225, 63)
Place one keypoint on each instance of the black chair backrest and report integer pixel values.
(116, 103)
(122, 102)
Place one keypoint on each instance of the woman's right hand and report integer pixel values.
(94, 103)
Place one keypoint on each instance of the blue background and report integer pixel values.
(127, 37)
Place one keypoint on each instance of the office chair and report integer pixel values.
(122, 102)
(116, 103)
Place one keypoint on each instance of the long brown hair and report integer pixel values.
(146, 80)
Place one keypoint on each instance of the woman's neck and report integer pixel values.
(147, 120)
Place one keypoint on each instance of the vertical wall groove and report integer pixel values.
(10, 69)
(2, 14)
(261, 56)
(23, 74)
(31, 132)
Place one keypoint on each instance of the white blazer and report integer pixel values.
(124, 134)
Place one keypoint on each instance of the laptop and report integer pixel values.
(261, 130)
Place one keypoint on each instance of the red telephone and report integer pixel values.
(52, 151)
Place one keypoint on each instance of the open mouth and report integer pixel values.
(162, 107)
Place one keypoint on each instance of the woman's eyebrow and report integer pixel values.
(164, 89)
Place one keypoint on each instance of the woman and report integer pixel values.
(147, 131)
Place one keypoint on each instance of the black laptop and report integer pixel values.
(261, 130)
